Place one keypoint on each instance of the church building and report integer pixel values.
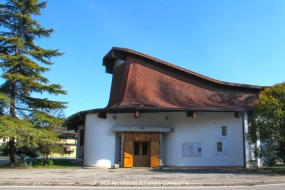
(161, 115)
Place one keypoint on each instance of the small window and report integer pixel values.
(136, 148)
(144, 148)
(219, 146)
(224, 130)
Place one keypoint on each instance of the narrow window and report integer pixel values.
(136, 148)
(224, 130)
(144, 148)
(219, 146)
(119, 149)
(81, 137)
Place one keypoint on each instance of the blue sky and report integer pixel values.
(236, 41)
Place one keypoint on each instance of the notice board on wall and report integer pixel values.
(192, 149)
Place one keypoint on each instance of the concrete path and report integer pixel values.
(172, 176)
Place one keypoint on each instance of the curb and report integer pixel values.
(252, 183)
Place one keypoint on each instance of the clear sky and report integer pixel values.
(238, 41)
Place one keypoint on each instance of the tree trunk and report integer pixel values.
(46, 156)
(46, 153)
(12, 152)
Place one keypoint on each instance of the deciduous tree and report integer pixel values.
(268, 124)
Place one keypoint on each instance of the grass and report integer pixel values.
(57, 164)
(72, 164)
(279, 169)
(61, 164)
(275, 170)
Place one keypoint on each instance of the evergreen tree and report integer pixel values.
(23, 64)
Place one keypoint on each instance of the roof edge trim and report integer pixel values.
(125, 50)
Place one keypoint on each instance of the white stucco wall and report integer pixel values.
(100, 141)
(203, 129)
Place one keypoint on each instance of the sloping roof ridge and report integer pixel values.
(186, 70)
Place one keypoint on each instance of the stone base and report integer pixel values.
(116, 166)
(161, 166)
(96, 167)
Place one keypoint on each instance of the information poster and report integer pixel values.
(192, 149)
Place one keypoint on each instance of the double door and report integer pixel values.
(141, 153)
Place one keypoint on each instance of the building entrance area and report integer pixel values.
(141, 149)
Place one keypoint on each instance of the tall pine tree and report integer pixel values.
(23, 63)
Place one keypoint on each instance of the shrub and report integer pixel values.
(42, 162)
(47, 162)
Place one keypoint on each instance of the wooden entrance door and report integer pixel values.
(141, 149)
(141, 154)
(154, 154)
(128, 154)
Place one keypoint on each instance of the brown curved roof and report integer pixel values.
(144, 81)
(124, 52)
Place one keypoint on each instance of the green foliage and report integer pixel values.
(42, 162)
(281, 152)
(48, 144)
(56, 163)
(21, 151)
(5, 149)
(19, 165)
(23, 64)
(4, 102)
(268, 124)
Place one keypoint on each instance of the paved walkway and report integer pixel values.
(169, 176)
(172, 176)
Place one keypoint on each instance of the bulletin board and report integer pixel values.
(192, 149)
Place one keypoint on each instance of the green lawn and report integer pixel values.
(279, 171)
(61, 163)
(72, 164)
(57, 164)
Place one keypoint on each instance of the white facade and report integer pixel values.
(100, 147)
(202, 129)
